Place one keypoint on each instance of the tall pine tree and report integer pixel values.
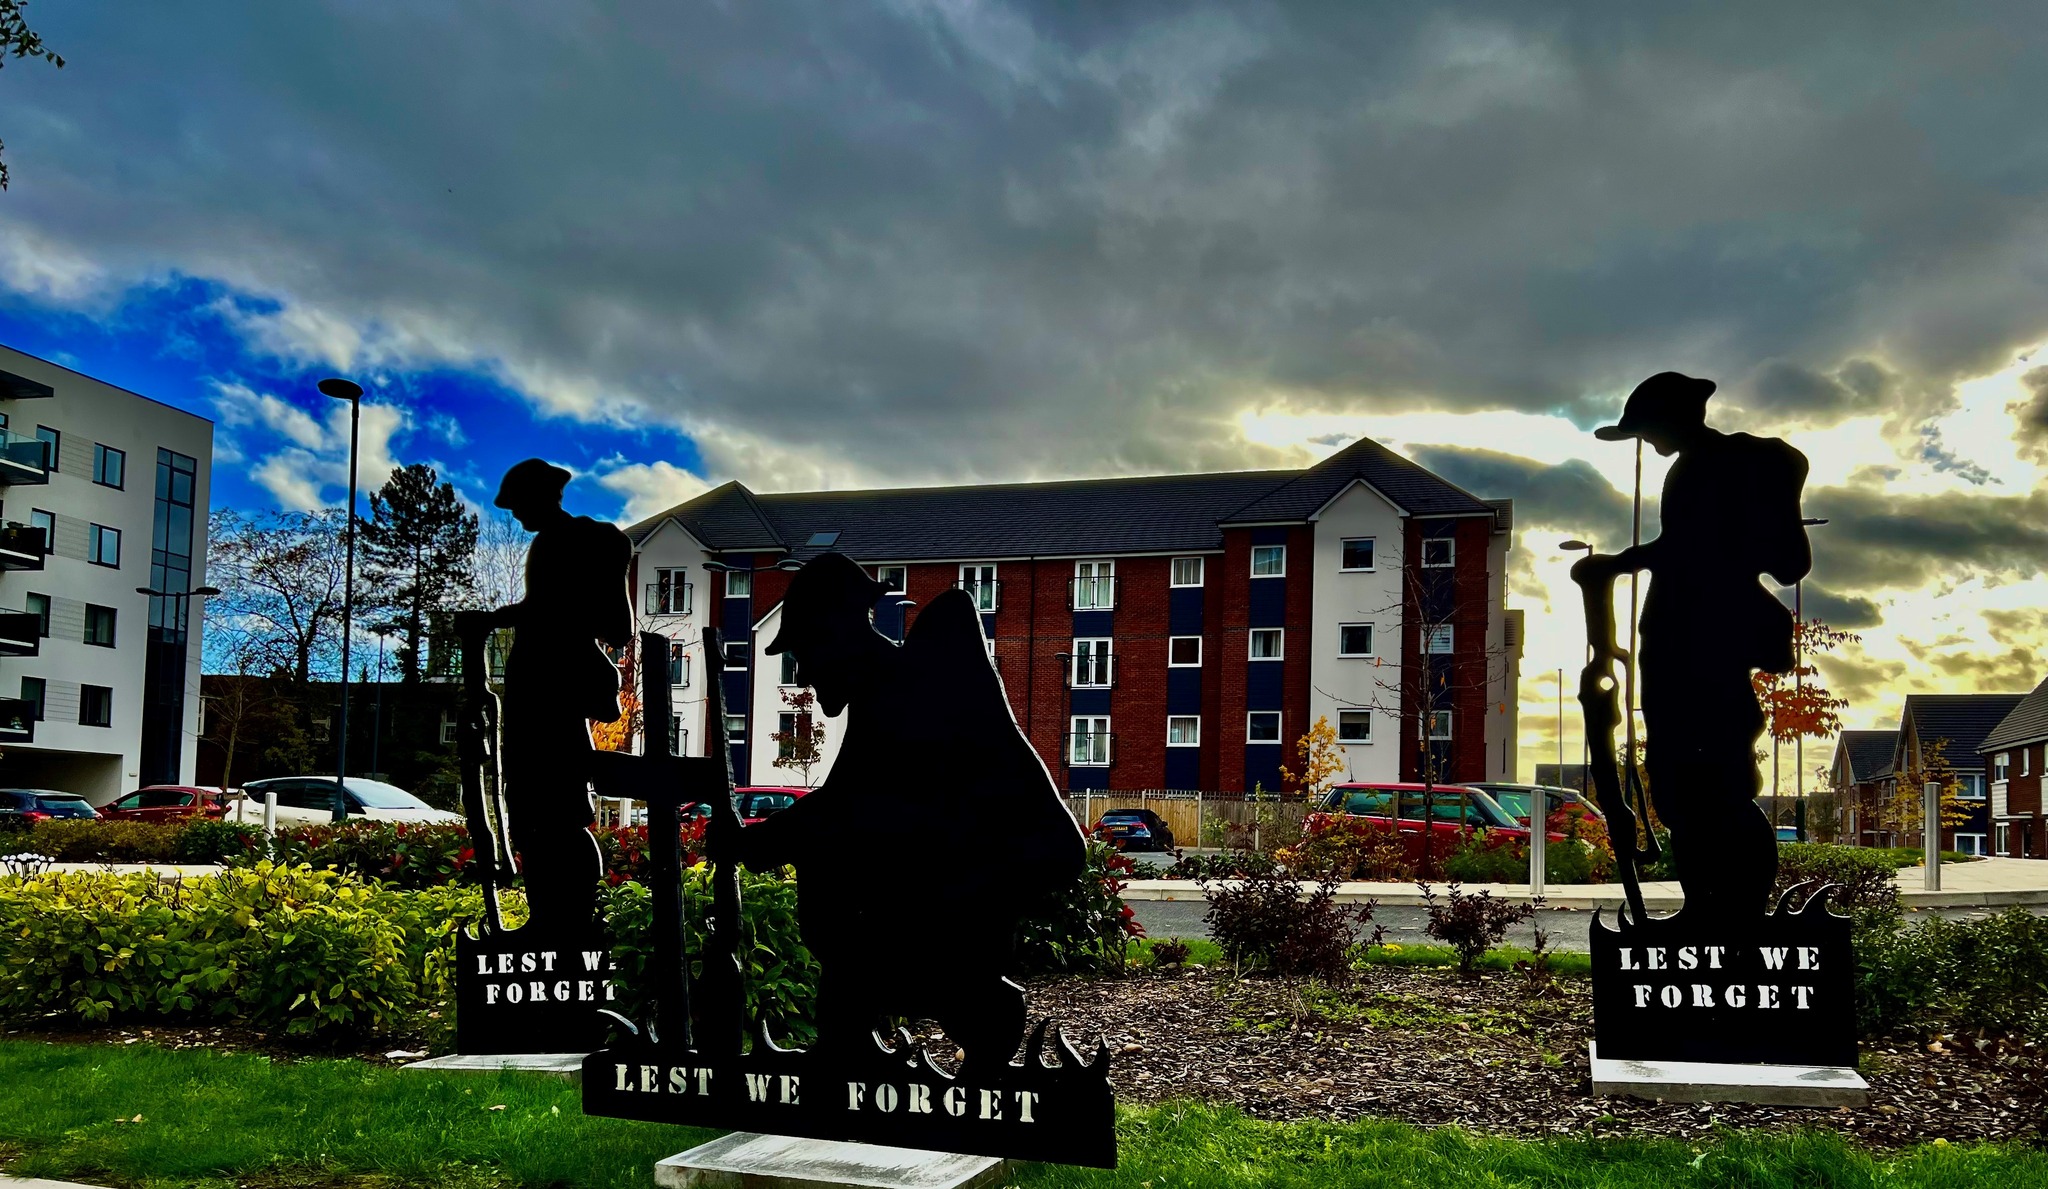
(419, 554)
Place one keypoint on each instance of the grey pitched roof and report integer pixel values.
(2026, 723)
(1412, 488)
(1869, 752)
(1147, 514)
(1962, 719)
(1140, 515)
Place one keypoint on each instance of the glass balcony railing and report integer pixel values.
(23, 459)
(22, 547)
(21, 633)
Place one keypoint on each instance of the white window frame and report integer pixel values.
(1344, 710)
(1279, 652)
(2003, 840)
(1450, 553)
(1195, 740)
(1344, 569)
(974, 576)
(1976, 839)
(1099, 598)
(1174, 664)
(2026, 769)
(677, 652)
(1278, 726)
(732, 720)
(674, 577)
(1076, 731)
(1173, 572)
(901, 585)
(1436, 718)
(1101, 671)
(1970, 780)
(743, 580)
(2001, 765)
(785, 678)
(1279, 573)
(746, 655)
(1371, 643)
(1430, 635)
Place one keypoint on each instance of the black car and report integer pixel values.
(22, 808)
(1134, 829)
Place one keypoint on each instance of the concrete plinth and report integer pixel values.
(744, 1160)
(562, 1065)
(1702, 1081)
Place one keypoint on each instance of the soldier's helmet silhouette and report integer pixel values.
(1667, 403)
(828, 608)
(530, 483)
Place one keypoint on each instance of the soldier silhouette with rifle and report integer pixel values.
(1730, 512)
(557, 681)
(931, 764)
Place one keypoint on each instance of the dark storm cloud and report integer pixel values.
(1878, 540)
(1836, 611)
(2032, 414)
(988, 239)
(1571, 497)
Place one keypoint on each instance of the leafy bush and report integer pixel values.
(1490, 857)
(206, 840)
(1868, 887)
(1987, 975)
(1086, 930)
(1338, 846)
(1170, 953)
(84, 840)
(1230, 864)
(402, 854)
(1472, 924)
(1264, 922)
(289, 948)
(626, 854)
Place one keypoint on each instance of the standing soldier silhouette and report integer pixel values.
(557, 680)
(1730, 512)
(931, 766)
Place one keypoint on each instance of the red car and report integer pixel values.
(1448, 810)
(166, 802)
(754, 803)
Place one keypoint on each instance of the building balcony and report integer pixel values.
(21, 633)
(1095, 671)
(669, 598)
(22, 547)
(1092, 594)
(17, 720)
(987, 596)
(23, 459)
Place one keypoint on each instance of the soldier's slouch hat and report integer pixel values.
(829, 586)
(529, 481)
(1665, 400)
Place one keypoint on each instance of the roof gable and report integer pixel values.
(1965, 720)
(1868, 753)
(2026, 723)
(1403, 483)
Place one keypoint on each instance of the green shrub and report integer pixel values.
(1264, 921)
(1087, 929)
(1868, 890)
(1472, 924)
(1491, 858)
(1987, 975)
(83, 840)
(205, 840)
(289, 948)
(402, 854)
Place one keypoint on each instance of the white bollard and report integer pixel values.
(1930, 833)
(1539, 839)
(270, 811)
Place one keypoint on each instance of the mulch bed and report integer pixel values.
(1427, 1047)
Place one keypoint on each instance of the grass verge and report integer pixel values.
(1564, 962)
(210, 1121)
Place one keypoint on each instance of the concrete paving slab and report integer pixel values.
(565, 1065)
(1825, 1086)
(7, 1182)
(744, 1160)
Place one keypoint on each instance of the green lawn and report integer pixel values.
(216, 1121)
(1208, 953)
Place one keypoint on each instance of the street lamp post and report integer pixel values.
(351, 392)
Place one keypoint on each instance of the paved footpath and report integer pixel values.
(7, 1182)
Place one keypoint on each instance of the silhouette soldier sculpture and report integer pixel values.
(931, 765)
(1730, 512)
(557, 679)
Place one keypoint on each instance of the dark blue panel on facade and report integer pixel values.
(1275, 534)
(1184, 611)
(1089, 701)
(736, 618)
(739, 760)
(735, 691)
(889, 616)
(1262, 766)
(1184, 771)
(1088, 778)
(1094, 623)
(1263, 689)
(1269, 602)
(1183, 691)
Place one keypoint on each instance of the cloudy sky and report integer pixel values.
(832, 244)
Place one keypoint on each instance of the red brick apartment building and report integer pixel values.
(1161, 632)
(2017, 749)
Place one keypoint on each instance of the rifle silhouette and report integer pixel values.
(483, 777)
(1597, 701)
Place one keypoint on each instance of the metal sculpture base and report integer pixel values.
(1061, 1113)
(1825, 1086)
(561, 1065)
(744, 1160)
(519, 988)
(1777, 989)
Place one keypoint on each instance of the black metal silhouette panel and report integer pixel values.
(931, 764)
(527, 768)
(1709, 983)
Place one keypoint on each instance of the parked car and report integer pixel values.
(753, 802)
(22, 808)
(304, 800)
(1788, 833)
(1134, 829)
(168, 802)
(1446, 810)
(1516, 799)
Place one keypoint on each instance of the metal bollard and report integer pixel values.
(1930, 833)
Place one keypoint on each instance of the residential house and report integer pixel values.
(2017, 750)
(1863, 759)
(1964, 722)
